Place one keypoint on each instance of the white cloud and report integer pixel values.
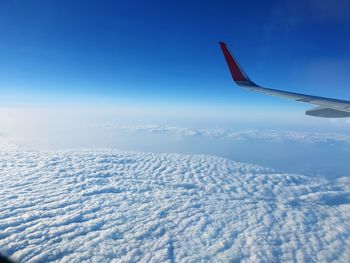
(269, 135)
(99, 205)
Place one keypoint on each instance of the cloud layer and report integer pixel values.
(266, 135)
(103, 205)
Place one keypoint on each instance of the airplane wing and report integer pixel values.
(326, 107)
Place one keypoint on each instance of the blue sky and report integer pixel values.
(166, 52)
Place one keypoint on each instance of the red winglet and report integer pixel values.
(236, 72)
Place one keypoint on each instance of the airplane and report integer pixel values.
(326, 107)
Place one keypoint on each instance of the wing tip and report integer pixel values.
(237, 72)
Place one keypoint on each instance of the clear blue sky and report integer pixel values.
(76, 51)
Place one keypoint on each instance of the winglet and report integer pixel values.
(236, 70)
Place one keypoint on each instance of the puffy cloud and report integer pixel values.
(99, 205)
(269, 135)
